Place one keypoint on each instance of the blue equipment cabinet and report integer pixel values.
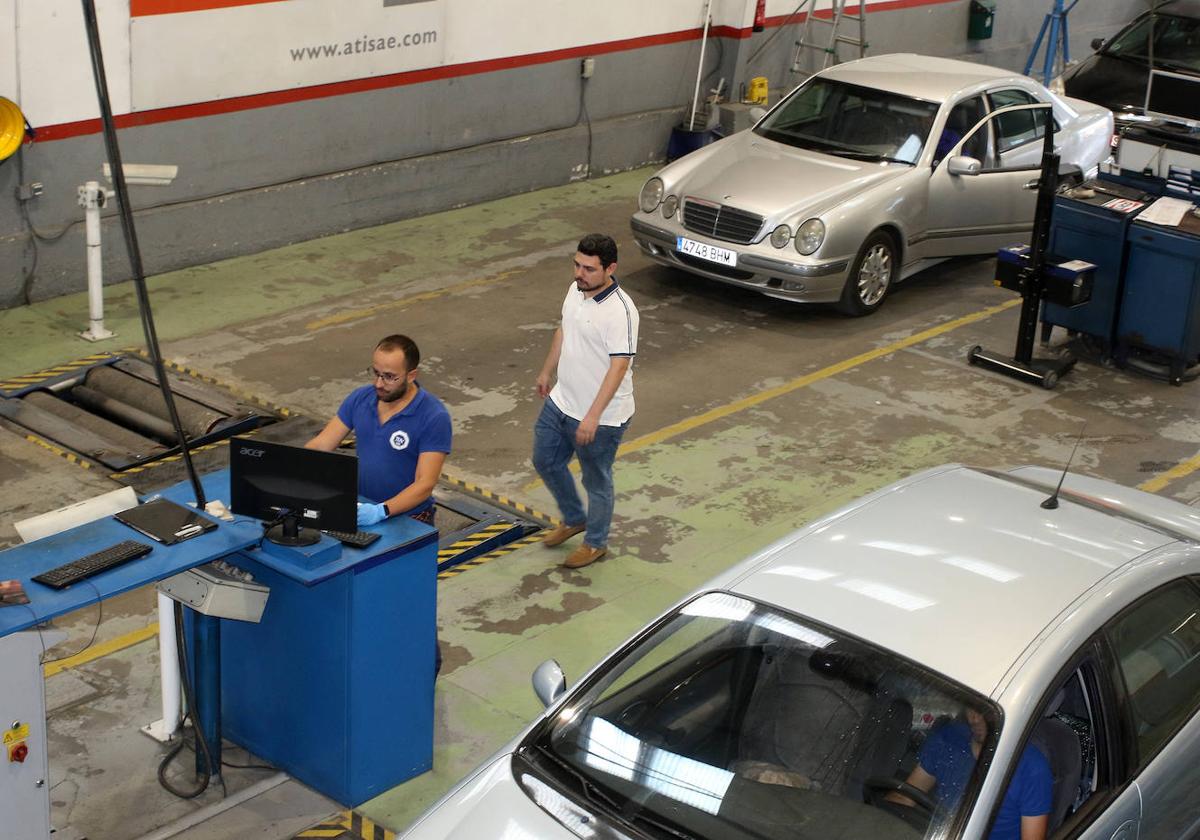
(1160, 306)
(1083, 228)
(335, 685)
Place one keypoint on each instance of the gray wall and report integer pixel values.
(257, 179)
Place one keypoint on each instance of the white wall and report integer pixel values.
(54, 67)
(165, 60)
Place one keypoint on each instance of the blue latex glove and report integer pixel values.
(369, 514)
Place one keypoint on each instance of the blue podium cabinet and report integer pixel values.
(1160, 306)
(335, 685)
(1084, 229)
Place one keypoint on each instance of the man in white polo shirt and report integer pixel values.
(587, 410)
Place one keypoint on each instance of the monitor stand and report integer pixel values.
(288, 532)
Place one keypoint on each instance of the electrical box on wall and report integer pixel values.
(980, 18)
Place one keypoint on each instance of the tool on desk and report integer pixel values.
(354, 539)
(165, 521)
(93, 564)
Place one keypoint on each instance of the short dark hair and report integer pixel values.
(412, 356)
(599, 245)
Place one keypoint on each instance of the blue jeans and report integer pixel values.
(554, 446)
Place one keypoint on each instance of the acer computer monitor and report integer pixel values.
(297, 491)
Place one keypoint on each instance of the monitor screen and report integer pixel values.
(300, 489)
(1174, 97)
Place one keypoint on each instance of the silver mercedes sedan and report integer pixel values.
(865, 174)
(964, 654)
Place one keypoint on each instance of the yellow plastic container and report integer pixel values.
(12, 128)
(757, 93)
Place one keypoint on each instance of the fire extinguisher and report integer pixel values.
(760, 16)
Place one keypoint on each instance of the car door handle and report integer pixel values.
(1032, 185)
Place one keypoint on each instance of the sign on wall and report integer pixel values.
(185, 51)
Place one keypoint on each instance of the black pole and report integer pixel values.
(1034, 280)
(131, 244)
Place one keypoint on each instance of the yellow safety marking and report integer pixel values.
(322, 831)
(478, 537)
(1180, 470)
(348, 824)
(25, 380)
(490, 556)
(366, 312)
(59, 451)
(172, 458)
(796, 384)
(488, 494)
(212, 380)
(103, 649)
(17, 733)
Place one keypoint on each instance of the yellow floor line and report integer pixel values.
(800, 382)
(1161, 480)
(366, 312)
(102, 649)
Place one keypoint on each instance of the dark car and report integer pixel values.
(1116, 74)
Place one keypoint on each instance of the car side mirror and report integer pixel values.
(963, 165)
(757, 114)
(549, 682)
(1097, 43)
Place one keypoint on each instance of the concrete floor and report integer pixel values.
(754, 416)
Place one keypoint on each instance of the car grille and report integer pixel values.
(721, 221)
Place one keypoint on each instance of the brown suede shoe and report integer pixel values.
(585, 555)
(561, 534)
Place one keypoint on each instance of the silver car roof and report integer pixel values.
(955, 568)
(920, 76)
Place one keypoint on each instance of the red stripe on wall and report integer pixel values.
(145, 8)
(62, 131)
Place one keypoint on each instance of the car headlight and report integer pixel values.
(670, 205)
(652, 195)
(809, 236)
(780, 236)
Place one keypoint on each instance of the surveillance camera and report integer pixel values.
(147, 174)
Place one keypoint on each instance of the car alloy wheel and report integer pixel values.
(871, 276)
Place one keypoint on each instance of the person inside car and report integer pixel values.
(944, 767)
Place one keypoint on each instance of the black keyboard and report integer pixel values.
(355, 539)
(93, 564)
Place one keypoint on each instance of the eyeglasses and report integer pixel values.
(388, 378)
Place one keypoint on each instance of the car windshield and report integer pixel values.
(1175, 42)
(851, 121)
(733, 720)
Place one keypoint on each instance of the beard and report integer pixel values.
(384, 395)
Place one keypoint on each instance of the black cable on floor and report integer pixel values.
(189, 697)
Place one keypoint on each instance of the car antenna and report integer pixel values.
(1051, 502)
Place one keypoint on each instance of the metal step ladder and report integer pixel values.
(827, 48)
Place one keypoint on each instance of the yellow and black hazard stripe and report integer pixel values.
(473, 541)
(18, 383)
(246, 396)
(475, 562)
(348, 825)
(59, 451)
(483, 492)
(178, 456)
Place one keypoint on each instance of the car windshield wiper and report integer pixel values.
(858, 153)
(598, 796)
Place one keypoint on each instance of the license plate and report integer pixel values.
(706, 252)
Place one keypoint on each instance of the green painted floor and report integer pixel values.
(754, 416)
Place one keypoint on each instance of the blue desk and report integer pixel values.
(334, 685)
(24, 561)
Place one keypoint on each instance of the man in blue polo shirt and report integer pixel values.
(402, 433)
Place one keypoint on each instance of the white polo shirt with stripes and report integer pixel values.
(594, 330)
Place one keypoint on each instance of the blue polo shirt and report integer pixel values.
(388, 452)
(946, 755)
